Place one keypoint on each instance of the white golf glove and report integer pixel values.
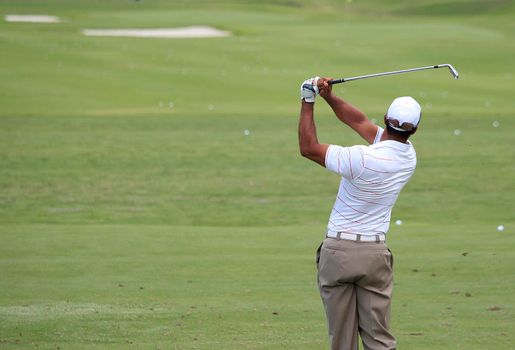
(309, 90)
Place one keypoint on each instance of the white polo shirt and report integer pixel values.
(372, 178)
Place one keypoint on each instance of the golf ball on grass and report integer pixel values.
(496, 124)
(246, 132)
(500, 228)
(457, 132)
(398, 222)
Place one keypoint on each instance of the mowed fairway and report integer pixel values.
(152, 195)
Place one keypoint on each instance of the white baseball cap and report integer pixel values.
(404, 110)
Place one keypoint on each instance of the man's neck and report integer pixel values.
(392, 137)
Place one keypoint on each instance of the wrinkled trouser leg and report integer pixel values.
(342, 316)
(355, 281)
(374, 303)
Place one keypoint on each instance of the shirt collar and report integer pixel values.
(395, 144)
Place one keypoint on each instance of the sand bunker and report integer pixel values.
(186, 32)
(32, 18)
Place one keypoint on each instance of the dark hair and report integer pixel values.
(405, 134)
(393, 131)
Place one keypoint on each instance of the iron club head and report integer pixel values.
(453, 71)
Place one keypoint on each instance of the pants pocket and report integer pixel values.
(391, 258)
(317, 257)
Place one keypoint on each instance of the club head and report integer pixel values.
(453, 71)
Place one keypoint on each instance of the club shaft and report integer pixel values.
(343, 80)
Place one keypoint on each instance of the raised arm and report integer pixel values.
(347, 113)
(308, 141)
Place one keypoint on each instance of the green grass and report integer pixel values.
(204, 171)
(183, 287)
(135, 213)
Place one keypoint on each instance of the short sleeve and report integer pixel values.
(379, 133)
(346, 161)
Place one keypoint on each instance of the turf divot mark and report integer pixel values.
(495, 308)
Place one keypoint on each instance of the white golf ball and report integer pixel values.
(398, 222)
(211, 107)
(457, 132)
(500, 228)
(496, 124)
(246, 132)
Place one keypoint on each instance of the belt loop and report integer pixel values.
(358, 237)
(377, 239)
(338, 235)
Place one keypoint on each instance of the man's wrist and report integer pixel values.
(329, 97)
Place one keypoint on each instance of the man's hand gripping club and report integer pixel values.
(309, 90)
(312, 87)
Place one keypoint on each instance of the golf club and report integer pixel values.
(453, 71)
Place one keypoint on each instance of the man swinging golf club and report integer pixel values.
(355, 266)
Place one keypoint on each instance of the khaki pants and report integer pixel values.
(355, 280)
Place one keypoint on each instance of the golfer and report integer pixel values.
(355, 266)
